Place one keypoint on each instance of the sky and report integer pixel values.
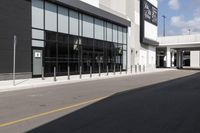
(181, 15)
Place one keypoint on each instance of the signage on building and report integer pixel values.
(148, 22)
(150, 13)
(37, 55)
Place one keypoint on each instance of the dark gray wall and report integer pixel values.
(15, 19)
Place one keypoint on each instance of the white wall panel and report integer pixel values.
(143, 57)
(154, 2)
(195, 58)
(151, 31)
(152, 55)
(80, 24)
(73, 22)
(115, 39)
(36, 43)
(50, 16)
(38, 14)
(88, 26)
(124, 59)
(38, 34)
(124, 35)
(63, 20)
(99, 29)
(109, 32)
(92, 2)
(120, 34)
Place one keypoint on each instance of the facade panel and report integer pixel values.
(120, 34)
(88, 26)
(37, 43)
(115, 33)
(109, 32)
(124, 35)
(63, 18)
(99, 29)
(38, 14)
(74, 22)
(37, 34)
(50, 16)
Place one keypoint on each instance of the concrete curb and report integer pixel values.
(36, 83)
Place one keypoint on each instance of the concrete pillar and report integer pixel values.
(173, 58)
(168, 57)
(179, 59)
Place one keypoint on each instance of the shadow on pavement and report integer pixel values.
(190, 68)
(169, 107)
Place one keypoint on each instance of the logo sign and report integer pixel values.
(150, 13)
(147, 11)
(37, 55)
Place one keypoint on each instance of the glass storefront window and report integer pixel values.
(75, 39)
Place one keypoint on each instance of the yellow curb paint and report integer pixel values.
(50, 112)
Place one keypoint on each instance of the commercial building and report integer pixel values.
(179, 51)
(77, 35)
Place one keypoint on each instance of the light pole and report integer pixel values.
(164, 17)
(189, 30)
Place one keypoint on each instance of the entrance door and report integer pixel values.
(37, 62)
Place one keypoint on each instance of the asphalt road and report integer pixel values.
(165, 102)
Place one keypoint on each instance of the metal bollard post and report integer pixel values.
(80, 72)
(131, 68)
(42, 73)
(99, 71)
(120, 69)
(55, 74)
(114, 70)
(68, 69)
(107, 70)
(136, 68)
(143, 68)
(140, 68)
(90, 71)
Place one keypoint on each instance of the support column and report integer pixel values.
(168, 57)
(179, 59)
(173, 58)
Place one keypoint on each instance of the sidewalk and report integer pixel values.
(23, 84)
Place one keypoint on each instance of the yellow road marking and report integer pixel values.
(51, 112)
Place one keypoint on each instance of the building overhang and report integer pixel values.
(94, 11)
(149, 42)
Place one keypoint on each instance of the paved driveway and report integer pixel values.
(165, 102)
